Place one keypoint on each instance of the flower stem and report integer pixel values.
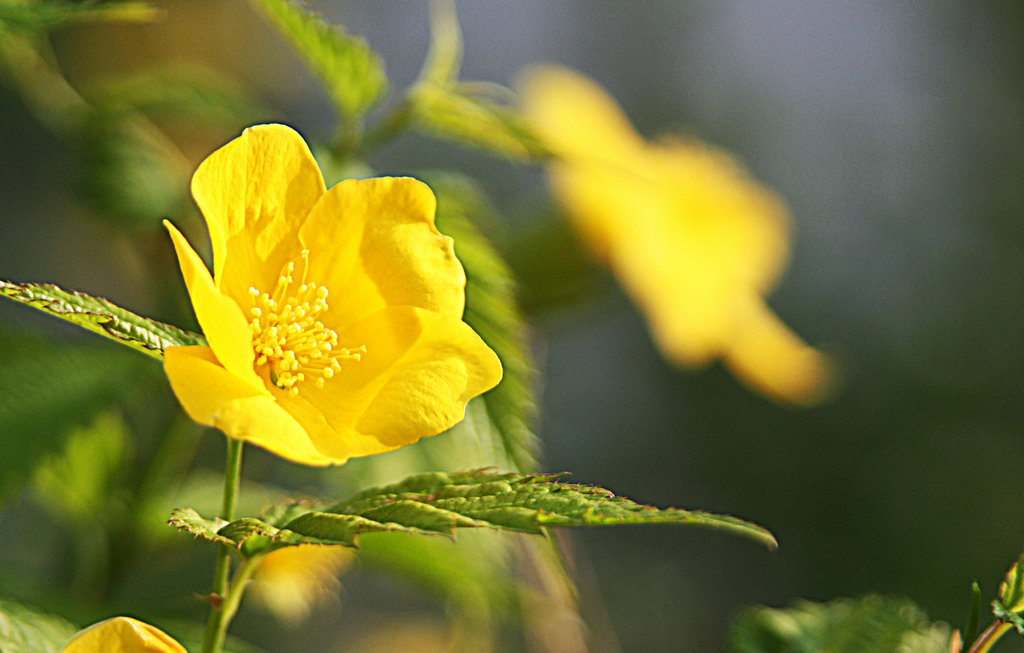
(990, 637)
(220, 616)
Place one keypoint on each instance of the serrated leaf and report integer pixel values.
(350, 70)
(438, 503)
(866, 625)
(101, 316)
(24, 630)
(45, 390)
(1009, 602)
(41, 16)
(492, 311)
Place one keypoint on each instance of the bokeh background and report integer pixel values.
(895, 131)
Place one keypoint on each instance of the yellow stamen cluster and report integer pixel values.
(287, 335)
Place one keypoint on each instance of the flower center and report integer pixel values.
(288, 336)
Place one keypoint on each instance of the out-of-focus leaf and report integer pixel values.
(178, 93)
(439, 503)
(25, 630)
(492, 311)
(41, 16)
(866, 625)
(77, 482)
(101, 316)
(476, 114)
(131, 173)
(350, 70)
(472, 113)
(45, 390)
(1009, 603)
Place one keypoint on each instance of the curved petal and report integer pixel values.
(770, 357)
(211, 395)
(419, 371)
(122, 635)
(254, 193)
(373, 244)
(220, 317)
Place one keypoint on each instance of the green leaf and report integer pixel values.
(866, 625)
(1009, 603)
(102, 317)
(492, 311)
(25, 630)
(41, 16)
(350, 70)
(45, 390)
(180, 94)
(78, 482)
(438, 503)
(480, 114)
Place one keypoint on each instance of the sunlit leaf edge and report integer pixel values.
(101, 316)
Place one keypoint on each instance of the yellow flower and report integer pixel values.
(290, 581)
(334, 317)
(693, 239)
(122, 635)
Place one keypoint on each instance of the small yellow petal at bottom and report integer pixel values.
(122, 635)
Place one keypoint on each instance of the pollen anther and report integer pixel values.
(288, 336)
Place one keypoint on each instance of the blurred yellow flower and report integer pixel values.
(290, 581)
(693, 239)
(122, 635)
(334, 317)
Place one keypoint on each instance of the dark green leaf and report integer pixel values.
(350, 70)
(102, 317)
(439, 503)
(867, 625)
(41, 16)
(492, 311)
(24, 630)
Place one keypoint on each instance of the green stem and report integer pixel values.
(220, 616)
(990, 637)
(388, 128)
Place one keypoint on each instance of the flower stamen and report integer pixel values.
(288, 336)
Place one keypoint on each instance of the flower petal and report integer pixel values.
(770, 357)
(122, 635)
(419, 371)
(373, 244)
(213, 396)
(254, 193)
(220, 317)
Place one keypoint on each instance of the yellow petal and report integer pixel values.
(255, 192)
(772, 359)
(373, 243)
(419, 371)
(122, 635)
(574, 116)
(213, 396)
(220, 317)
(291, 581)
